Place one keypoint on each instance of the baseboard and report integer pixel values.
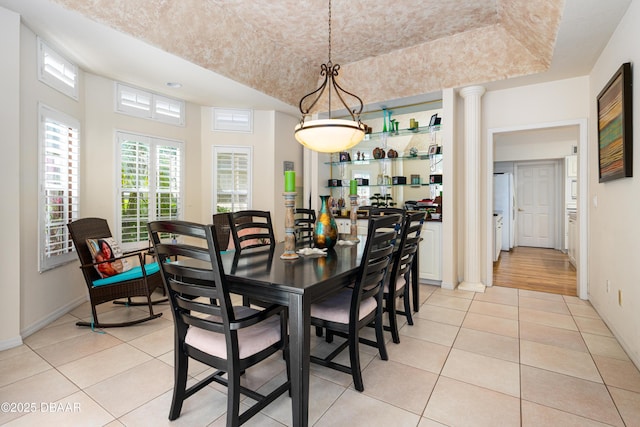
(10, 343)
(53, 316)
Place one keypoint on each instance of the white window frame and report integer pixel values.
(154, 143)
(232, 150)
(232, 120)
(56, 71)
(159, 108)
(71, 200)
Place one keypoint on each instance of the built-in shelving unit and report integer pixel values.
(401, 132)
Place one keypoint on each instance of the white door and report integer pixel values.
(536, 205)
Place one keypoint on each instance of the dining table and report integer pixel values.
(260, 274)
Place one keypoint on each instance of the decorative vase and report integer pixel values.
(325, 232)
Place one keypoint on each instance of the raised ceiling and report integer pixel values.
(267, 53)
(386, 49)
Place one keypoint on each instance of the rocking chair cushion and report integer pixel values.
(108, 269)
(134, 273)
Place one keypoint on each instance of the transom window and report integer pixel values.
(57, 72)
(141, 103)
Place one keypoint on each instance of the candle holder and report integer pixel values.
(353, 236)
(289, 226)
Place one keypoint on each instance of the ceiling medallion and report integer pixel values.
(329, 135)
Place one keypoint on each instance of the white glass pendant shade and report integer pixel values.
(329, 135)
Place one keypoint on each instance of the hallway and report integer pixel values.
(536, 269)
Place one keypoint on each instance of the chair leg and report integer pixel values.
(329, 336)
(354, 357)
(180, 373)
(407, 304)
(382, 349)
(233, 399)
(96, 323)
(393, 321)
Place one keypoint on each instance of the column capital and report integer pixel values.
(472, 90)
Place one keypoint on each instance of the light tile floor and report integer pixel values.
(507, 357)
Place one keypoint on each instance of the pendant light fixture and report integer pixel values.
(329, 135)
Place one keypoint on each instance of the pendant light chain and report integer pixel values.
(330, 68)
(329, 31)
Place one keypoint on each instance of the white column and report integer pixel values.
(472, 213)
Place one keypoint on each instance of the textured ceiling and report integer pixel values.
(387, 50)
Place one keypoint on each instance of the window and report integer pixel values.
(232, 120)
(150, 185)
(232, 178)
(148, 105)
(59, 177)
(56, 71)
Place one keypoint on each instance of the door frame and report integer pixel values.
(582, 279)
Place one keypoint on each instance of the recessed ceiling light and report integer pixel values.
(174, 85)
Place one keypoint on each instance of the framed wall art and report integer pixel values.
(615, 127)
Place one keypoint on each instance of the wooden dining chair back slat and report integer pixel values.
(397, 283)
(208, 327)
(344, 314)
(251, 229)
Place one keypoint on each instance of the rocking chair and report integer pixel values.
(139, 281)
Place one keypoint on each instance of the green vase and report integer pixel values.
(325, 232)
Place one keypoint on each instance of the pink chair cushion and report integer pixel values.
(336, 307)
(399, 284)
(250, 340)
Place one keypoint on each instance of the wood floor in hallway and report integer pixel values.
(536, 269)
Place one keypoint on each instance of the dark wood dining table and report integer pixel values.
(260, 273)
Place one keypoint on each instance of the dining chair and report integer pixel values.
(398, 281)
(107, 283)
(345, 313)
(251, 229)
(208, 328)
(304, 223)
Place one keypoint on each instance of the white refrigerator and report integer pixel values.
(504, 202)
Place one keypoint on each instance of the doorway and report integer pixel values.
(579, 127)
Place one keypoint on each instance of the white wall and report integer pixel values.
(534, 146)
(10, 173)
(614, 234)
(287, 148)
